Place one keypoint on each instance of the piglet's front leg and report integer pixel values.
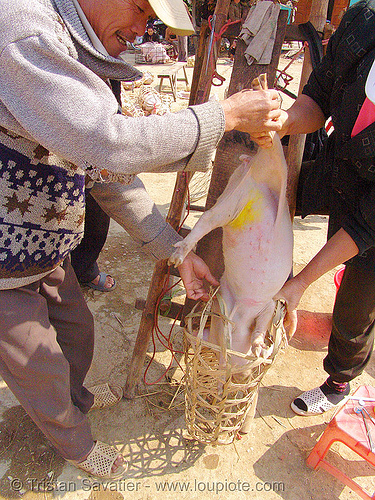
(224, 211)
(210, 220)
(182, 249)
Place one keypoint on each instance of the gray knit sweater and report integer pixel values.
(59, 122)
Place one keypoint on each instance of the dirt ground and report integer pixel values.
(268, 463)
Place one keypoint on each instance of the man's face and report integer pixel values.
(120, 21)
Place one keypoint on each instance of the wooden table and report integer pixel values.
(170, 73)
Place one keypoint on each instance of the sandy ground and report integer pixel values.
(269, 463)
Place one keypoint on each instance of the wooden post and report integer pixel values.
(318, 17)
(198, 63)
(199, 94)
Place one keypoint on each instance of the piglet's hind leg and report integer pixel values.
(261, 325)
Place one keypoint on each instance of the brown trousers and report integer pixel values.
(46, 348)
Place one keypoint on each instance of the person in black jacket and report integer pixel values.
(342, 182)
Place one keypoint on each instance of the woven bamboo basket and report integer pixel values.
(221, 395)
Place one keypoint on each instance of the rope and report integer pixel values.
(216, 37)
(156, 331)
(224, 28)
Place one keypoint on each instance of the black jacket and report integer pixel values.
(337, 85)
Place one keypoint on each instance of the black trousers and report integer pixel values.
(353, 322)
(85, 255)
(352, 336)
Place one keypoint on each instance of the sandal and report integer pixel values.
(315, 402)
(101, 283)
(105, 396)
(100, 460)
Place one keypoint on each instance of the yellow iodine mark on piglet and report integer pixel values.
(251, 212)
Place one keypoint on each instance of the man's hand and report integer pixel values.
(193, 271)
(252, 111)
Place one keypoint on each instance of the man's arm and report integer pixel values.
(338, 249)
(132, 208)
(303, 117)
(84, 126)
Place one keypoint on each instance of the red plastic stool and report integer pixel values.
(348, 427)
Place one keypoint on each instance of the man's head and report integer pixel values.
(150, 30)
(119, 21)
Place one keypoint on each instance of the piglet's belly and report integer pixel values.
(258, 257)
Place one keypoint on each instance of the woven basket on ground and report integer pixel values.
(220, 394)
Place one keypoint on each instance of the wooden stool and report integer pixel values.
(347, 427)
(170, 73)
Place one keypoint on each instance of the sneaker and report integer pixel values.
(321, 399)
